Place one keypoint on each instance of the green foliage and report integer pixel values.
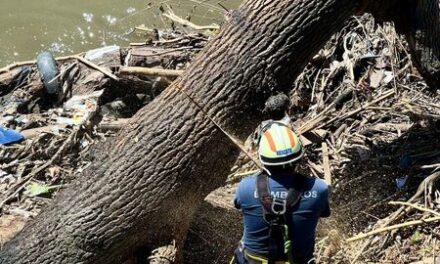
(416, 237)
(35, 189)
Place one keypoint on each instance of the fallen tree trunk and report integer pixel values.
(145, 185)
(423, 37)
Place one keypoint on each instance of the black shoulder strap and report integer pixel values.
(293, 195)
(264, 192)
(274, 212)
(296, 191)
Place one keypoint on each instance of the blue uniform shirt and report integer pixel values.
(312, 205)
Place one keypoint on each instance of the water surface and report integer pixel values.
(71, 26)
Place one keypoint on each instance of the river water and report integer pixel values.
(64, 27)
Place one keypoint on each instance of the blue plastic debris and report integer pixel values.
(8, 136)
(401, 181)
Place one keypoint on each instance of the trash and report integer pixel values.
(369, 55)
(6, 119)
(98, 53)
(8, 136)
(21, 119)
(79, 109)
(376, 77)
(377, 73)
(66, 121)
(388, 77)
(3, 173)
(401, 181)
(47, 66)
(77, 100)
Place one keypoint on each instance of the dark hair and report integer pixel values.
(276, 106)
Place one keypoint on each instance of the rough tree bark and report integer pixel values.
(145, 185)
(419, 21)
(423, 37)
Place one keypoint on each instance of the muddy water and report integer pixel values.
(71, 26)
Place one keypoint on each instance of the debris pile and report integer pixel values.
(371, 127)
(367, 119)
(54, 111)
(381, 146)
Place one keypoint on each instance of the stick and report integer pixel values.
(149, 71)
(18, 64)
(104, 125)
(431, 166)
(170, 14)
(236, 177)
(311, 124)
(245, 173)
(34, 132)
(96, 67)
(317, 168)
(170, 51)
(416, 207)
(393, 227)
(360, 109)
(113, 125)
(222, 6)
(326, 164)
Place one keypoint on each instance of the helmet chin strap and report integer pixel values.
(290, 167)
(267, 171)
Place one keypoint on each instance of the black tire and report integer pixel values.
(47, 66)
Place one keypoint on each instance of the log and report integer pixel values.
(145, 184)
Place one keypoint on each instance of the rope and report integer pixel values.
(217, 125)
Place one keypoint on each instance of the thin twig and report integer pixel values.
(96, 67)
(393, 227)
(415, 206)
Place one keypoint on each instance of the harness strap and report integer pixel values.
(271, 204)
(276, 212)
(263, 192)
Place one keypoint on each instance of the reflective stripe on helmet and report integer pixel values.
(269, 139)
(279, 145)
(291, 137)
